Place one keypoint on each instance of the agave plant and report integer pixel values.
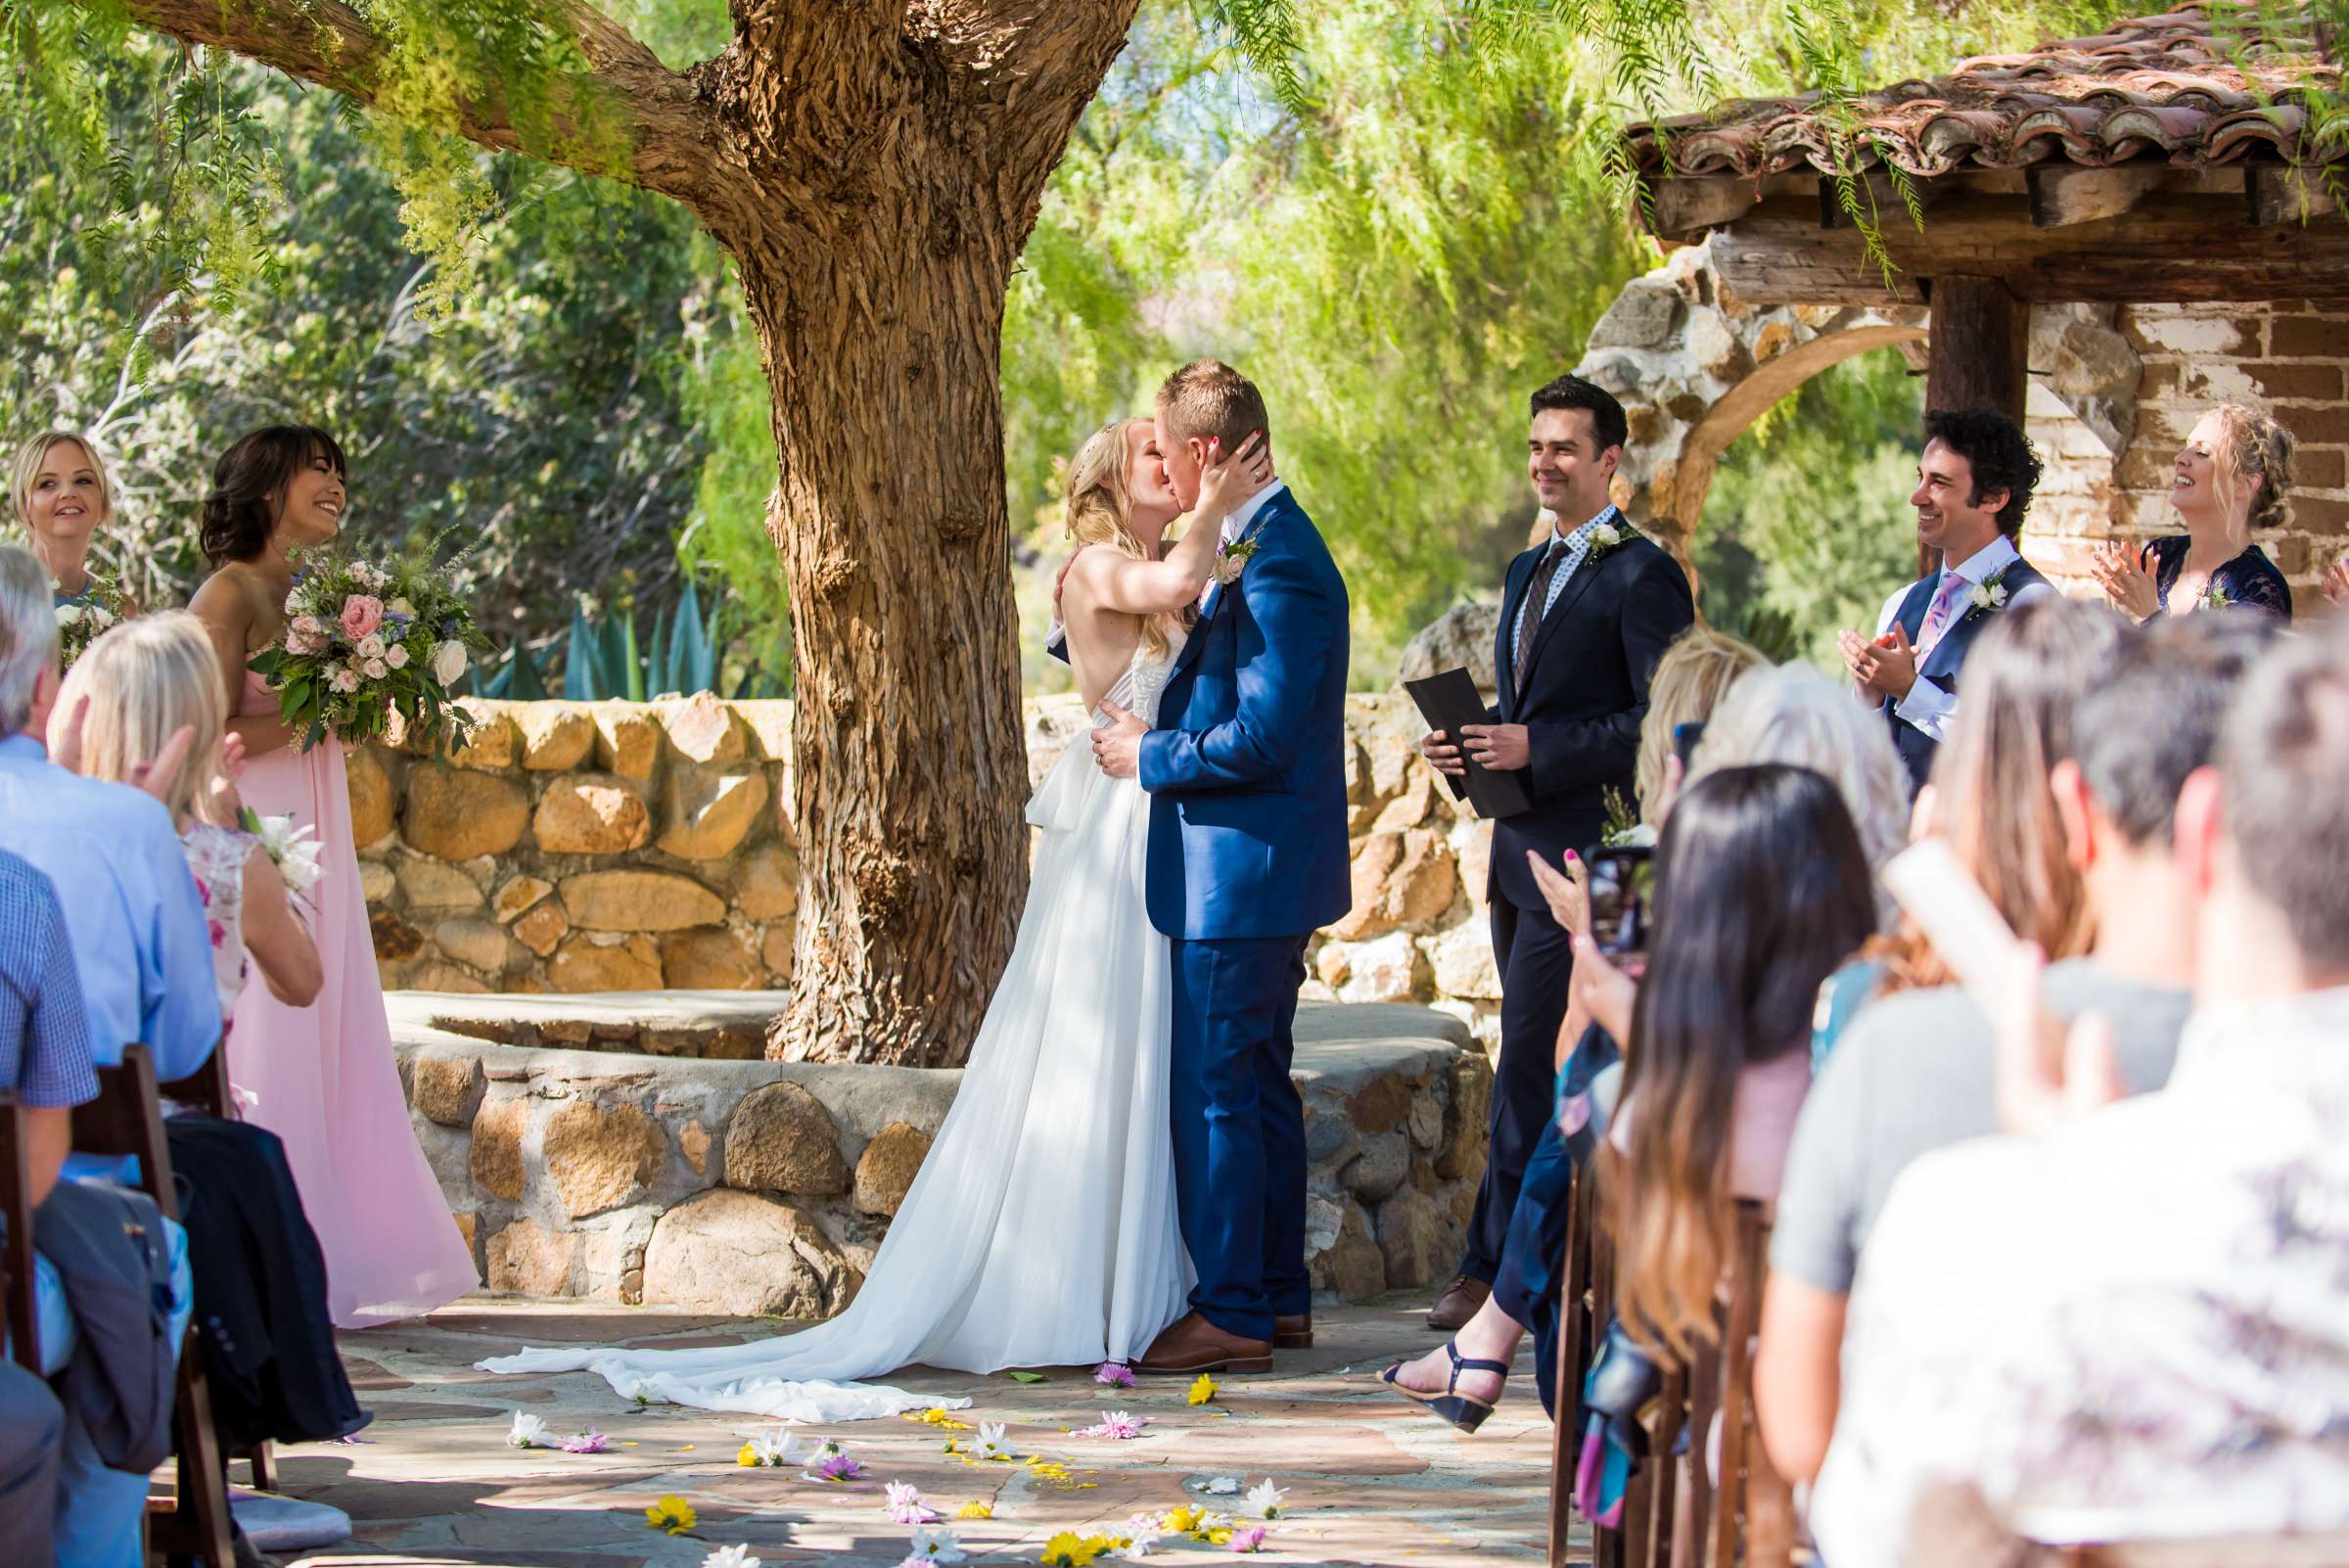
(682, 657)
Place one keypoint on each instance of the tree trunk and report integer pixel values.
(874, 167)
(908, 766)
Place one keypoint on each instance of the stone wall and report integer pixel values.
(756, 1186)
(595, 846)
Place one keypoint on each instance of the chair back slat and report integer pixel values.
(16, 1256)
(206, 1090)
(128, 1118)
(1574, 1362)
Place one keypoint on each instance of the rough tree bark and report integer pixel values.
(874, 167)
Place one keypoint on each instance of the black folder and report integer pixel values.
(1449, 701)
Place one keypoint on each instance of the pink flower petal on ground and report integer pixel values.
(1117, 1424)
(1247, 1538)
(1114, 1374)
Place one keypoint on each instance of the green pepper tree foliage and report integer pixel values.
(872, 171)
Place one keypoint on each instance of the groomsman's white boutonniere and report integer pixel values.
(1231, 556)
(1604, 536)
(1991, 592)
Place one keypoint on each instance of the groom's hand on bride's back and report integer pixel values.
(1117, 745)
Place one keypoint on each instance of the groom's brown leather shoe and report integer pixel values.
(1192, 1343)
(1293, 1331)
(1459, 1303)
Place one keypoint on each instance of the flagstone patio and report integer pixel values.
(433, 1482)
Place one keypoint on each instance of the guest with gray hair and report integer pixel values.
(142, 953)
(132, 911)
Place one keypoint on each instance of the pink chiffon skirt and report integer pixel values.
(326, 1079)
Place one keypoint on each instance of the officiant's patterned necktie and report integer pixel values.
(1529, 620)
(1940, 613)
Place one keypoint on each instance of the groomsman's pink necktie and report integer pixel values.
(1938, 617)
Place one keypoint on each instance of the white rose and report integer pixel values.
(1997, 594)
(67, 615)
(343, 678)
(448, 662)
(292, 601)
(396, 656)
(1605, 536)
(101, 617)
(376, 668)
(400, 607)
(370, 648)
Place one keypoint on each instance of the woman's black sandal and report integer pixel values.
(1463, 1410)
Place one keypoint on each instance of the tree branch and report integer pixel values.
(670, 132)
(1016, 57)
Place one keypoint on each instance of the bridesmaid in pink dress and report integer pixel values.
(324, 1074)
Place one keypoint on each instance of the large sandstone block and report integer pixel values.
(707, 813)
(457, 814)
(887, 1167)
(582, 963)
(767, 886)
(374, 806)
(495, 1160)
(491, 744)
(529, 1261)
(1463, 962)
(556, 737)
(1414, 1237)
(782, 1139)
(743, 1255)
(704, 728)
(478, 943)
(541, 928)
(709, 959)
(437, 885)
(1400, 879)
(636, 900)
(601, 1158)
(628, 741)
(594, 813)
(1351, 1263)
(515, 895)
(1385, 969)
(446, 1089)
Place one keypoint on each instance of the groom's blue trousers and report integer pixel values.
(1239, 1128)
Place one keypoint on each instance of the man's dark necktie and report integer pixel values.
(1537, 604)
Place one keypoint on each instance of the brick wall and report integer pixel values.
(2285, 358)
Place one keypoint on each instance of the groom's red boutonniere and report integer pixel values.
(1231, 557)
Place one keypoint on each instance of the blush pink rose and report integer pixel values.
(362, 613)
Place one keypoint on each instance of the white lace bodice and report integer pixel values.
(1139, 690)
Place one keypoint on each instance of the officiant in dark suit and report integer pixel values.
(1584, 616)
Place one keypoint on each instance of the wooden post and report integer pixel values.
(1980, 334)
(1979, 355)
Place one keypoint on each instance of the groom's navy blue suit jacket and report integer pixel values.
(1246, 768)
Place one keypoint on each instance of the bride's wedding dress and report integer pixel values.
(1041, 1231)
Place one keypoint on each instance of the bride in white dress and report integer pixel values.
(1041, 1231)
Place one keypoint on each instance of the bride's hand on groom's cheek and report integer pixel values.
(1117, 745)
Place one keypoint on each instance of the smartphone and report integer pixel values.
(1623, 897)
(1956, 916)
(1683, 742)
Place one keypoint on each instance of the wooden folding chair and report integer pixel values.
(16, 1256)
(205, 1091)
(126, 1119)
(1576, 1313)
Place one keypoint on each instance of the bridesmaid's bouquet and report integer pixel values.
(364, 642)
(88, 618)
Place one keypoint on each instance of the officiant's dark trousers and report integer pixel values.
(1239, 1128)
(1535, 959)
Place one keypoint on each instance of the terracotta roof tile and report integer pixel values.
(2170, 87)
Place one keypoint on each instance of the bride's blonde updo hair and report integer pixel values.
(2251, 444)
(1098, 509)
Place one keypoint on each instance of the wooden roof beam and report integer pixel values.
(2281, 193)
(2064, 193)
(1685, 206)
(1878, 193)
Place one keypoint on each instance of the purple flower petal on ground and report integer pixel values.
(1114, 1374)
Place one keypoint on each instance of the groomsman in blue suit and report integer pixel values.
(1247, 859)
(1973, 485)
(1584, 616)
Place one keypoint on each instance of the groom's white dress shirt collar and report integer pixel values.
(1246, 511)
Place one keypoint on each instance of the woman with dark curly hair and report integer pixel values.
(323, 1074)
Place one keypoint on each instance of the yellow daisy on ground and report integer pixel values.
(672, 1516)
(1202, 1390)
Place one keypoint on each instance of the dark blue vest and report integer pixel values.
(1942, 665)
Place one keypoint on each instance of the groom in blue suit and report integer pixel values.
(1246, 774)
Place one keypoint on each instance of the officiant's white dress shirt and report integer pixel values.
(1930, 707)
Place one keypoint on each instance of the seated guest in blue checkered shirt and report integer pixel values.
(45, 1058)
(122, 901)
(137, 925)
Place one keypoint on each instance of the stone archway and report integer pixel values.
(1696, 367)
